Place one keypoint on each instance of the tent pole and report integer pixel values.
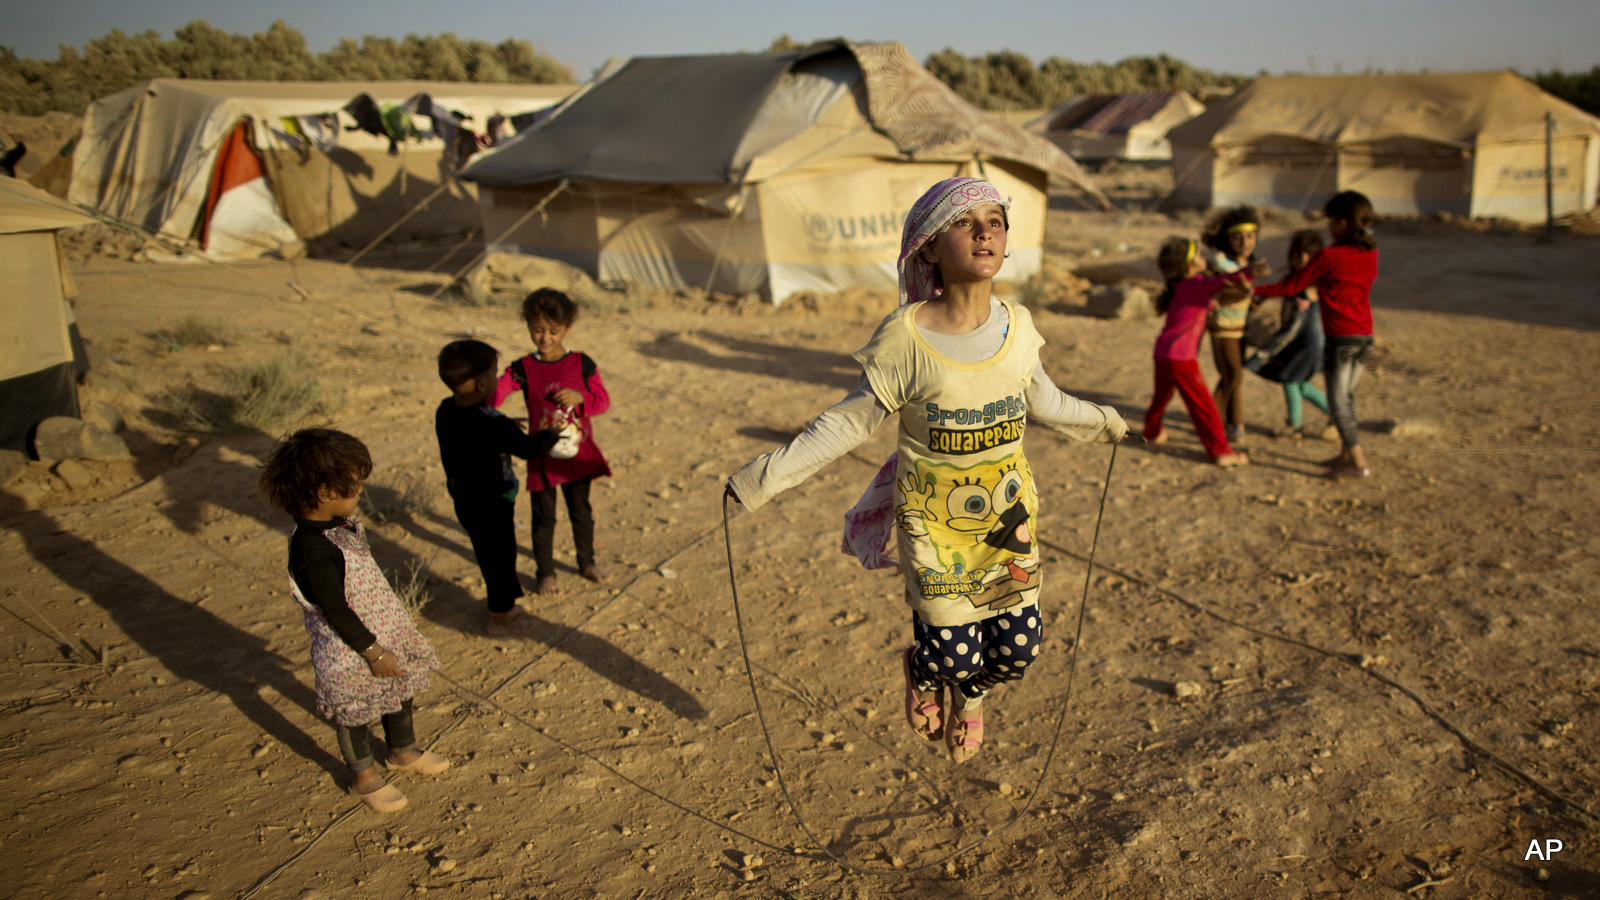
(1549, 179)
(502, 236)
(398, 222)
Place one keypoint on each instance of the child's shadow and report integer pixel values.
(192, 643)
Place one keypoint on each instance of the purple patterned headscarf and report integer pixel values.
(930, 215)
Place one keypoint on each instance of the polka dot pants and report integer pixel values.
(976, 657)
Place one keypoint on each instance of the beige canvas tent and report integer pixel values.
(1095, 127)
(243, 168)
(1470, 143)
(742, 173)
(38, 374)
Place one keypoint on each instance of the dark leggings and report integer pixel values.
(491, 525)
(1226, 353)
(355, 743)
(544, 524)
(1341, 369)
(974, 658)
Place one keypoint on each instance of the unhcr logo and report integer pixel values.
(823, 228)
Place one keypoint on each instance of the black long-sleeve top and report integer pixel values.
(317, 567)
(476, 444)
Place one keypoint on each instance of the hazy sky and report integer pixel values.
(1239, 36)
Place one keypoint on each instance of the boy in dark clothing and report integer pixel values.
(476, 443)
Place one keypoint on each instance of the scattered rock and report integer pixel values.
(1410, 428)
(74, 474)
(444, 864)
(666, 572)
(12, 462)
(103, 416)
(1120, 301)
(61, 437)
(1184, 690)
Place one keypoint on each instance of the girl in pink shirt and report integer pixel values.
(1186, 301)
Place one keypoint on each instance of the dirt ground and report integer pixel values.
(618, 754)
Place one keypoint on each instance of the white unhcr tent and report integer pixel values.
(744, 173)
(248, 168)
(1469, 143)
(38, 370)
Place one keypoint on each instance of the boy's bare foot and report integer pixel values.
(512, 622)
(594, 574)
(547, 586)
(1231, 460)
(1160, 438)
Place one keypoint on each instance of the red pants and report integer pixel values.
(1184, 375)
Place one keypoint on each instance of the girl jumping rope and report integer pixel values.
(959, 369)
(1186, 301)
(1343, 275)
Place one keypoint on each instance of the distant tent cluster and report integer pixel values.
(1098, 127)
(1470, 143)
(244, 168)
(757, 173)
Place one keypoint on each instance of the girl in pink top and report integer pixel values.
(1186, 301)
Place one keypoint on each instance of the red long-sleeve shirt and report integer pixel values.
(1343, 275)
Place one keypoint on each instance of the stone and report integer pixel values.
(1184, 690)
(74, 474)
(62, 437)
(1411, 428)
(106, 379)
(103, 416)
(1120, 301)
(12, 462)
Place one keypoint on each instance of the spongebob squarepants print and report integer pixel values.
(979, 523)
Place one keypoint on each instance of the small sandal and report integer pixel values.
(964, 734)
(429, 763)
(925, 717)
(386, 799)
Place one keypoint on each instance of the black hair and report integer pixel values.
(462, 361)
(1305, 241)
(551, 305)
(1173, 260)
(308, 464)
(1355, 210)
(1215, 234)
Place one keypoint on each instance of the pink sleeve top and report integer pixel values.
(1186, 316)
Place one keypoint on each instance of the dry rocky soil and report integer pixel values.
(1415, 699)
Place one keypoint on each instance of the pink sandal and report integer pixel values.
(964, 734)
(925, 717)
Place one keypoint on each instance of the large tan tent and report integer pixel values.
(1093, 127)
(38, 370)
(1470, 143)
(744, 173)
(247, 168)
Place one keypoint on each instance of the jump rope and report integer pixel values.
(1061, 717)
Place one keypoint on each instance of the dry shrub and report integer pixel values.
(260, 397)
(193, 331)
(411, 587)
(384, 501)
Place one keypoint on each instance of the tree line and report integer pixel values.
(117, 61)
(1001, 80)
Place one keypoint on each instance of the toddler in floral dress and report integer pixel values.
(367, 654)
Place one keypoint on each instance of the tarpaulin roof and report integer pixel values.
(1114, 113)
(24, 207)
(695, 120)
(1460, 108)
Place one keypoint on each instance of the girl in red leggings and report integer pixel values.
(1187, 299)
